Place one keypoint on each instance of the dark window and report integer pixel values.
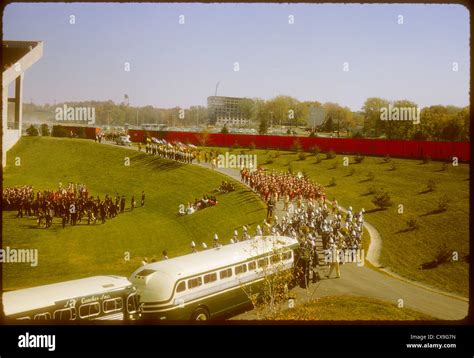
(275, 258)
(252, 265)
(240, 269)
(145, 272)
(195, 282)
(263, 262)
(132, 303)
(113, 305)
(181, 286)
(226, 273)
(287, 255)
(42, 316)
(210, 277)
(65, 314)
(89, 310)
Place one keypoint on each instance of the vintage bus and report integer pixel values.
(91, 298)
(213, 282)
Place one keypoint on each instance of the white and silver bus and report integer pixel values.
(97, 297)
(210, 283)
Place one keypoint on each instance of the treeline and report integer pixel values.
(436, 123)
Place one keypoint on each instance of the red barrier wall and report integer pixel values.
(378, 147)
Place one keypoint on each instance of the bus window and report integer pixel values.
(65, 314)
(131, 304)
(113, 305)
(287, 255)
(262, 263)
(181, 286)
(89, 310)
(23, 318)
(225, 273)
(240, 269)
(195, 282)
(210, 277)
(144, 273)
(42, 316)
(252, 265)
(275, 258)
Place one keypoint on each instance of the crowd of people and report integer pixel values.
(340, 233)
(282, 185)
(198, 204)
(73, 204)
(185, 153)
(307, 217)
(174, 151)
(226, 187)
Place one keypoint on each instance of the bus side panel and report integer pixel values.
(217, 305)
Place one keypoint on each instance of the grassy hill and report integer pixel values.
(84, 250)
(403, 249)
(350, 308)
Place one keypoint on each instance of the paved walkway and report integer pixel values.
(376, 283)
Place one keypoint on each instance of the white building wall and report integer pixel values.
(14, 76)
(11, 136)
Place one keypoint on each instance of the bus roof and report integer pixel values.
(214, 258)
(33, 298)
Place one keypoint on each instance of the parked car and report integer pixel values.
(124, 140)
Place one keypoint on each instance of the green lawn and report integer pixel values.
(84, 250)
(403, 250)
(350, 308)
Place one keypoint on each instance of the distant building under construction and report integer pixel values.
(226, 110)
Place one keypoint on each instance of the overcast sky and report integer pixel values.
(173, 64)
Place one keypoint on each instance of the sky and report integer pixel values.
(173, 64)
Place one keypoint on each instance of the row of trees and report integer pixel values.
(289, 111)
(434, 123)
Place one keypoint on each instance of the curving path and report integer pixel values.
(376, 283)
